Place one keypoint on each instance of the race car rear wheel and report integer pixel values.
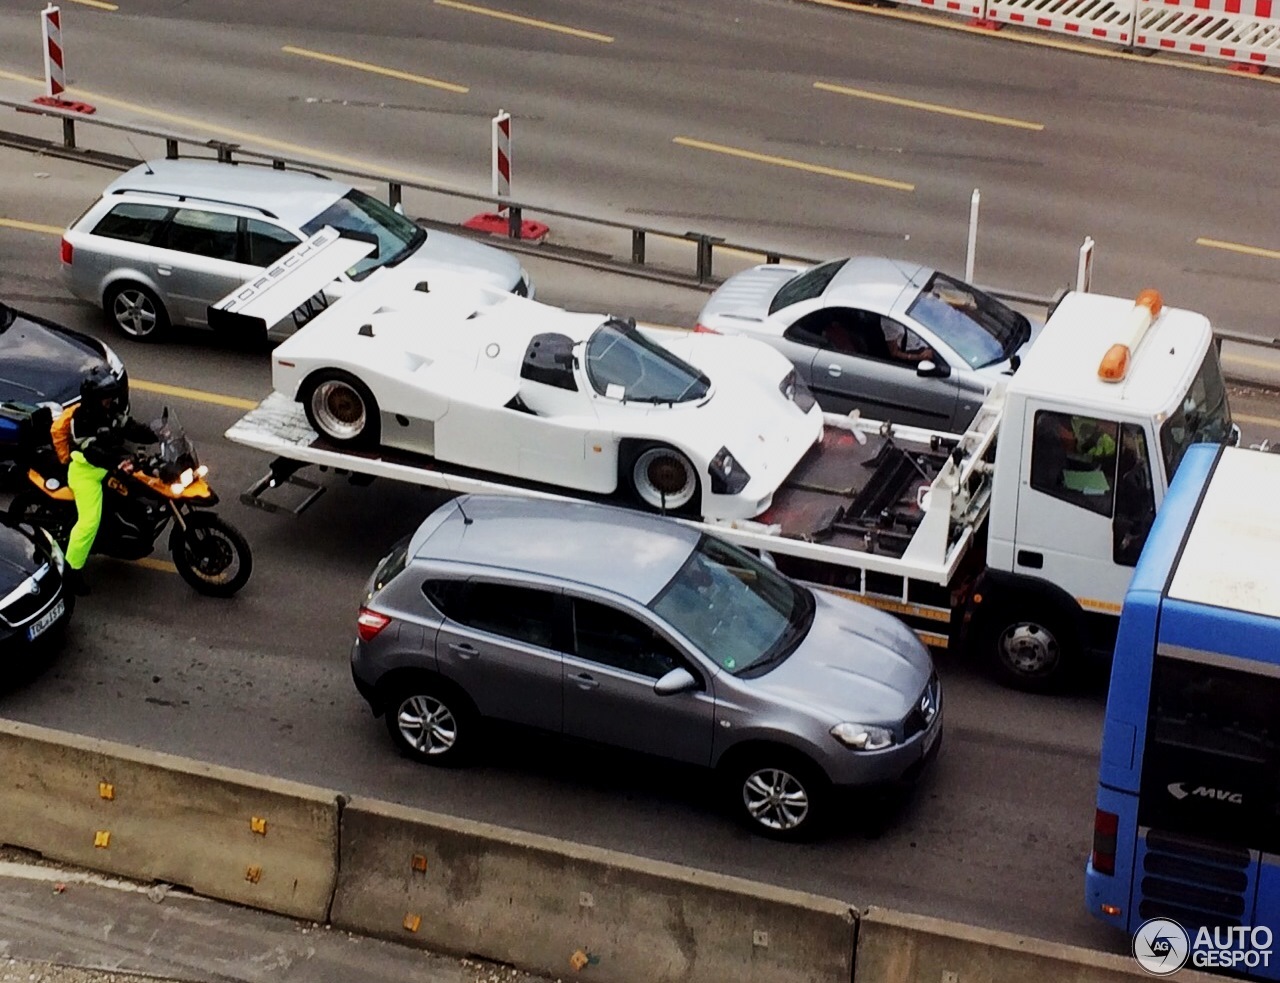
(664, 479)
(340, 407)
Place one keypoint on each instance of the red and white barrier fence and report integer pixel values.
(55, 65)
(499, 222)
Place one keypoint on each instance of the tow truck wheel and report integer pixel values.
(663, 479)
(1031, 645)
(341, 408)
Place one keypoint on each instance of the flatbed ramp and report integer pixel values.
(853, 491)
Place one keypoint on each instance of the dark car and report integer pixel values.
(34, 604)
(43, 363)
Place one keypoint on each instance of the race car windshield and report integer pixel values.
(624, 364)
(356, 211)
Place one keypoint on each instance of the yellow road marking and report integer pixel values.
(241, 136)
(1236, 247)
(162, 565)
(364, 66)
(1260, 363)
(13, 223)
(527, 21)
(793, 164)
(1041, 42)
(1262, 421)
(181, 392)
(927, 106)
(95, 3)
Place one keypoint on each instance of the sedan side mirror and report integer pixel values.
(676, 681)
(929, 369)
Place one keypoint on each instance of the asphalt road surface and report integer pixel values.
(999, 833)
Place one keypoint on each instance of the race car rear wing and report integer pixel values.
(264, 301)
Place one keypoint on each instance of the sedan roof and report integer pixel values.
(627, 553)
(293, 196)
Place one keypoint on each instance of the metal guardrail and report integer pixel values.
(705, 243)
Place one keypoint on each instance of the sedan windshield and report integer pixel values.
(806, 285)
(623, 364)
(1203, 416)
(358, 212)
(741, 613)
(976, 326)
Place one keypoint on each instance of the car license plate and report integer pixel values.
(47, 620)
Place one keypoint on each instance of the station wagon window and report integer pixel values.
(266, 243)
(356, 211)
(522, 614)
(1073, 458)
(132, 222)
(615, 638)
(200, 233)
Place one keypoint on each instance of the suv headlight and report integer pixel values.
(55, 551)
(797, 390)
(863, 737)
(728, 477)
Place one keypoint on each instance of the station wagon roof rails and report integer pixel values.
(182, 196)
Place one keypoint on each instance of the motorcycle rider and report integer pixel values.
(99, 428)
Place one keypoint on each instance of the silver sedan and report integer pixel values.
(895, 340)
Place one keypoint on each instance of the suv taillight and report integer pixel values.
(1105, 826)
(369, 623)
(66, 252)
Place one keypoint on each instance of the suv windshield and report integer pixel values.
(979, 328)
(624, 364)
(806, 285)
(1203, 417)
(736, 609)
(358, 212)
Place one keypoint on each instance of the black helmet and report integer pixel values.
(102, 390)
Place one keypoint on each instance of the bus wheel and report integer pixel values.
(1030, 645)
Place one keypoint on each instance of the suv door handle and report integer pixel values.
(464, 649)
(585, 681)
(834, 371)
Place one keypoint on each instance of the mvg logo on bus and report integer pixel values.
(1162, 947)
(1180, 791)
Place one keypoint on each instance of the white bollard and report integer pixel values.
(502, 159)
(973, 236)
(1084, 268)
(55, 74)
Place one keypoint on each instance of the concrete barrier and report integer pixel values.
(550, 906)
(898, 948)
(221, 832)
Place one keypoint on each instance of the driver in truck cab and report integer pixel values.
(90, 439)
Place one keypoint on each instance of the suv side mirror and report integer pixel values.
(676, 681)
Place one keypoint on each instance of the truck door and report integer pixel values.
(1085, 505)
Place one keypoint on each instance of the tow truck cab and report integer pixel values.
(1095, 422)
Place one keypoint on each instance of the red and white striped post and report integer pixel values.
(55, 72)
(502, 159)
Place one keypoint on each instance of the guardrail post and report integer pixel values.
(514, 222)
(170, 149)
(637, 246)
(277, 164)
(224, 151)
(773, 259)
(69, 134)
(395, 192)
(705, 243)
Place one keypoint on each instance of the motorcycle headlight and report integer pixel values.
(728, 477)
(863, 737)
(797, 390)
(202, 470)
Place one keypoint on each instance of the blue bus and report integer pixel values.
(1187, 826)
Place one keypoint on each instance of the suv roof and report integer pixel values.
(629, 553)
(293, 196)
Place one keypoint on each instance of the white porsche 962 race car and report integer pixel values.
(688, 423)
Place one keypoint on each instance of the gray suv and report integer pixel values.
(642, 633)
(170, 237)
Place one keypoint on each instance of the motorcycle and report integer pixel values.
(138, 502)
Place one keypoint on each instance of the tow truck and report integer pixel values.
(1013, 542)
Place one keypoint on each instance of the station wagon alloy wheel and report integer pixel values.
(776, 799)
(136, 312)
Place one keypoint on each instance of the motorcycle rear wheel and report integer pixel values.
(40, 510)
(211, 555)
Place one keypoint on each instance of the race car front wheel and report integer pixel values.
(341, 408)
(663, 479)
